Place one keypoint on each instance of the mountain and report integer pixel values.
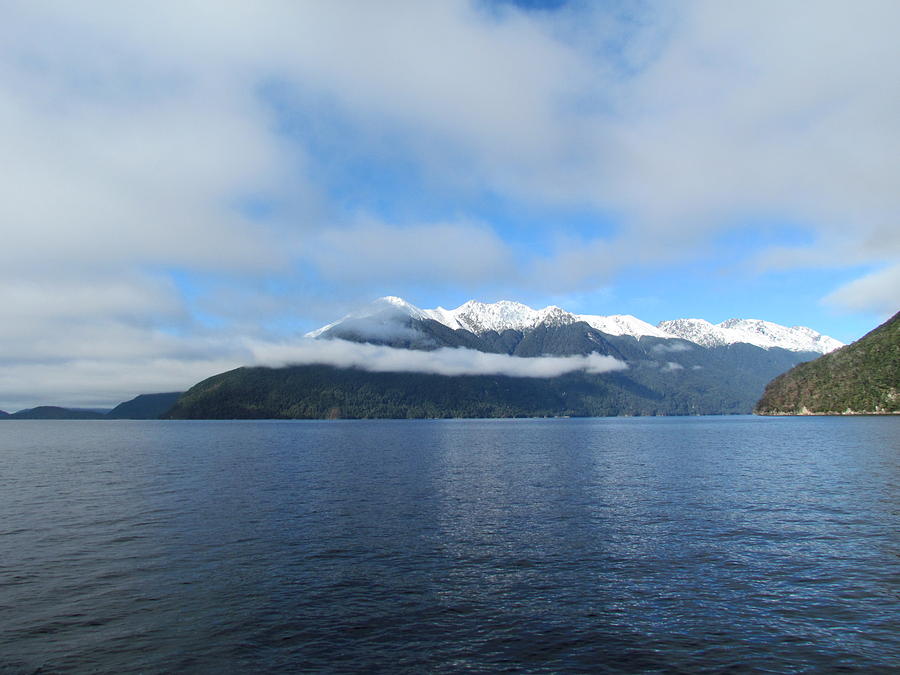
(861, 378)
(763, 334)
(51, 412)
(729, 381)
(479, 318)
(323, 392)
(666, 374)
(144, 407)
(380, 319)
(3, 414)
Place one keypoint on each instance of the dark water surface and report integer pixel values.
(669, 544)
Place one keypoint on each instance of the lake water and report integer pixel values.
(663, 544)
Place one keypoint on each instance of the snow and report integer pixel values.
(623, 324)
(388, 305)
(480, 317)
(444, 316)
(757, 332)
(697, 331)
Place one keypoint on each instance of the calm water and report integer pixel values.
(561, 545)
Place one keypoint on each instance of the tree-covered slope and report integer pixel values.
(144, 407)
(665, 376)
(321, 392)
(52, 412)
(863, 377)
(729, 381)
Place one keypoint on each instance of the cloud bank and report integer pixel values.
(154, 130)
(184, 177)
(444, 361)
(878, 292)
(97, 378)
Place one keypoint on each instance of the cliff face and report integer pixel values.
(861, 378)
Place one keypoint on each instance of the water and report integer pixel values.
(675, 545)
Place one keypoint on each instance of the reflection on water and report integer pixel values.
(557, 545)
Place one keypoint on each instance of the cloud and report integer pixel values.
(176, 170)
(444, 361)
(382, 329)
(440, 253)
(878, 292)
(670, 348)
(102, 382)
(148, 180)
(671, 366)
(147, 126)
(112, 362)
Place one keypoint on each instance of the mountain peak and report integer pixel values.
(386, 308)
(393, 303)
(623, 324)
(756, 332)
(480, 317)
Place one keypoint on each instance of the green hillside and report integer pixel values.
(861, 378)
(144, 407)
(646, 388)
(52, 412)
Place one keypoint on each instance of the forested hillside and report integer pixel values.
(861, 378)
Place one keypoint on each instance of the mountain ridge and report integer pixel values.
(661, 375)
(53, 412)
(481, 318)
(141, 407)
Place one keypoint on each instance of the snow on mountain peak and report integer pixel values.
(757, 332)
(698, 331)
(392, 302)
(480, 317)
(623, 324)
(388, 307)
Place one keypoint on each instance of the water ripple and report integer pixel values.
(663, 545)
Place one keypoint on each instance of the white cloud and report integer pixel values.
(440, 253)
(878, 292)
(112, 362)
(444, 361)
(101, 382)
(133, 134)
(680, 118)
(670, 349)
(144, 124)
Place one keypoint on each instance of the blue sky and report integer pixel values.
(187, 181)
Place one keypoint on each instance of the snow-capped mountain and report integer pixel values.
(774, 335)
(763, 334)
(480, 318)
(387, 308)
(622, 324)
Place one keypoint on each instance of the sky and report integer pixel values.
(184, 182)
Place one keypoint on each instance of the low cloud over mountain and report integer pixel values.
(444, 361)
